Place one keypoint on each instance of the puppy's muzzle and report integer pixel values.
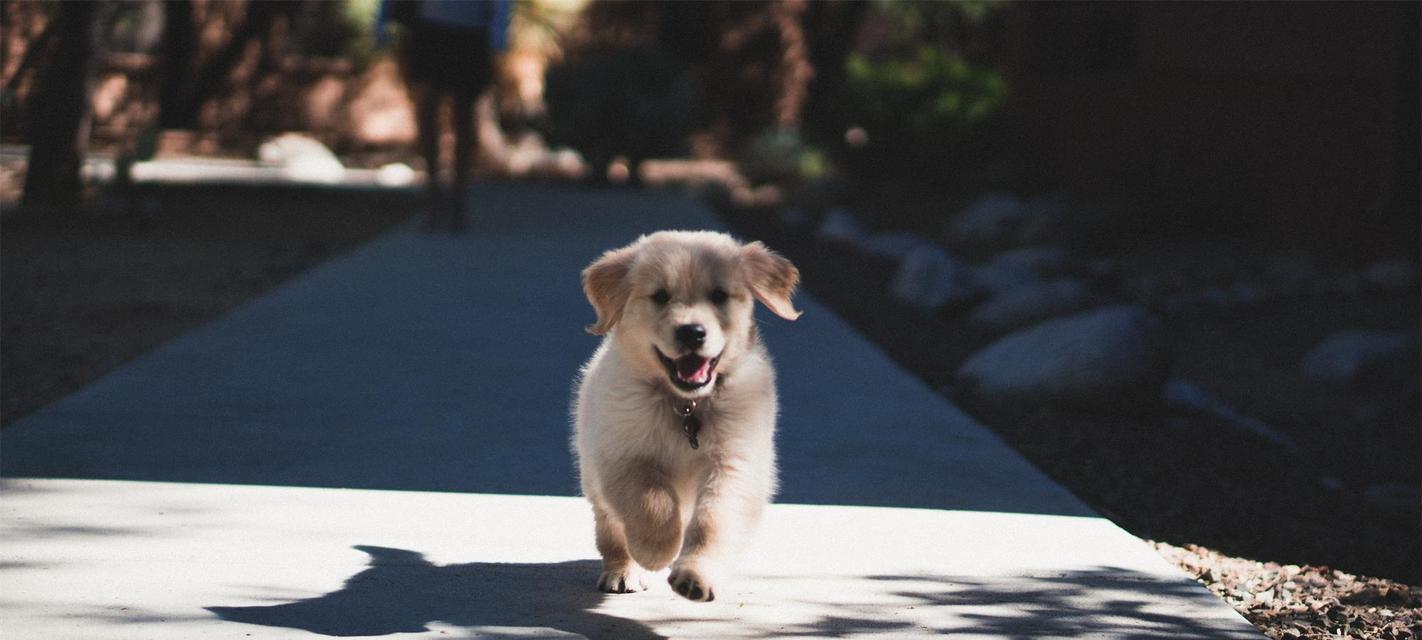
(689, 372)
(691, 336)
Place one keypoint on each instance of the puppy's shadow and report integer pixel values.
(402, 592)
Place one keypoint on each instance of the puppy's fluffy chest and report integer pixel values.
(624, 416)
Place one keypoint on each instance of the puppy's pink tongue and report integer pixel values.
(694, 369)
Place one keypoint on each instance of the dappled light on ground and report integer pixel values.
(205, 560)
(402, 592)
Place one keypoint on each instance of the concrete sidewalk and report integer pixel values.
(437, 363)
(106, 559)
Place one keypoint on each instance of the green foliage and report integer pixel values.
(780, 154)
(921, 74)
(916, 21)
(923, 86)
(932, 92)
(815, 164)
(359, 17)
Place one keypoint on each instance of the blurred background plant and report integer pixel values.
(934, 92)
(851, 99)
(356, 23)
(923, 86)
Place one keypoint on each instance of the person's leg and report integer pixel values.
(427, 102)
(466, 144)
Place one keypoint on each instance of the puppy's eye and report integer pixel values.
(718, 296)
(661, 296)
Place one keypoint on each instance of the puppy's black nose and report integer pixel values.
(691, 336)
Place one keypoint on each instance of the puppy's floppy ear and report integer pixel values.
(771, 278)
(605, 283)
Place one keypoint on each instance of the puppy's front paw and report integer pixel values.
(691, 584)
(624, 580)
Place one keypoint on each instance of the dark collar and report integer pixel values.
(687, 411)
(690, 422)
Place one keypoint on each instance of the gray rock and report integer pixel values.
(1111, 358)
(1048, 220)
(1348, 284)
(1022, 267)
(893, 245)
(1043, 261)
(1394, 273)
(1183, 396)
(839, 225)
(1214, 297)
(395, 174)
(1173, 305)
(930, 278)
(1246, 292)
(1367, 413)
(1394, 496)
(794, 217)
(1290, 273)
(1032, 303)
(1348, 357)
(996, 278)
(991, 220)
(302, 159)
(1141, 287)
(1103, 268)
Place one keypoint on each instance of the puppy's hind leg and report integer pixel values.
(620, 574)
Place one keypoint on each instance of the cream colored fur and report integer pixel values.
(657, 501)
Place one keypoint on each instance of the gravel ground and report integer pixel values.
(1292, 601)
(1187, 479)
(85, 293)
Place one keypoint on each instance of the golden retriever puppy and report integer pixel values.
(674, 415)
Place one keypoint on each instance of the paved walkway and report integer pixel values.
(443, 364)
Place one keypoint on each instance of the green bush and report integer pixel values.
(932, 93)
(923, 85)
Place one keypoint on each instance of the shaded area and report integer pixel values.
(280, 558)
(402, 592)
(1176, 477)
(83, 295)
(431, 362)
(1100, 602)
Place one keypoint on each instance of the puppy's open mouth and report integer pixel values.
(689, 372)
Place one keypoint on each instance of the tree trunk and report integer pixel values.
(1407, 193)
(60, 112)
(175, 66)
(184, 95)
(830, 28)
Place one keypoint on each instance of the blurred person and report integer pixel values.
(448, 55)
